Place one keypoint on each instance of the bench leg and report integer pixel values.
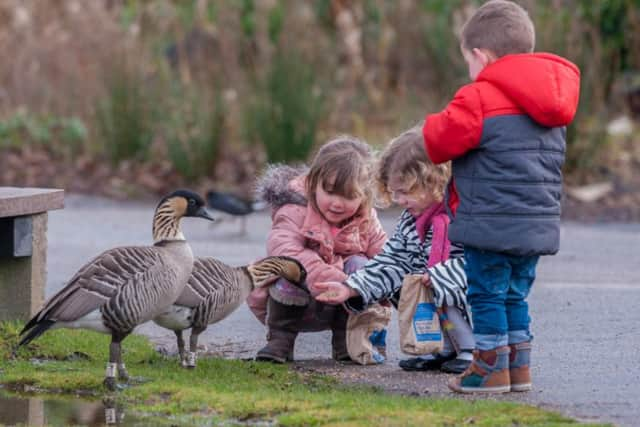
(22, 280)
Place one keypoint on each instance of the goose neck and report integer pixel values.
(166, 225)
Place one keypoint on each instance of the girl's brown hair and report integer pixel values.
(343, 166)
(405, 160)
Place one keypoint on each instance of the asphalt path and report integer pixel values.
(585, 307)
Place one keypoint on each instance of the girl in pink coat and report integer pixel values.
(324, 217)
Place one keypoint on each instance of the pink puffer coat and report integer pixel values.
(299, 231)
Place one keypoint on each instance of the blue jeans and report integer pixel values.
(498, 287)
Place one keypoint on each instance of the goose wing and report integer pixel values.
(208, 276)
(97, 282)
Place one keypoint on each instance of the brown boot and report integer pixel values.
(519, 361)
(339, 349)
(488, 373)
(283, 322)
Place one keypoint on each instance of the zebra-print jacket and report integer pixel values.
(404, 253)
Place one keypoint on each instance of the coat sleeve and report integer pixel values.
(285, 239)
(382, 275)
(449, 280)
(452, 132)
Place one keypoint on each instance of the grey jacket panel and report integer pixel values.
(510, 188)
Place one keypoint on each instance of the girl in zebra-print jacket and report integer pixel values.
(419, 245)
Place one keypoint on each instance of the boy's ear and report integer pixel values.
(484, 56)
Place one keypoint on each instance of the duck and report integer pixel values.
(124, 287)
(215, 290)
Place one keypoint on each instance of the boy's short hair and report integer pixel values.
(501, 26)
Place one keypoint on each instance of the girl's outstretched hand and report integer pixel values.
(332, 292)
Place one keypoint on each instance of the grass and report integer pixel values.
(73, 362)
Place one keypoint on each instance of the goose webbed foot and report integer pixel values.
(138, 380)
(110, 383)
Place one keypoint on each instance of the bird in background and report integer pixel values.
(125, 286)
(215, 290)
(233, 206)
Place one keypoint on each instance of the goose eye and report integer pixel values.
(192, 202)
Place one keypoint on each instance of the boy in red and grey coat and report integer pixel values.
(505, 135)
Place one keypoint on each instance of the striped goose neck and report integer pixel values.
(264, 272)
(166, 222)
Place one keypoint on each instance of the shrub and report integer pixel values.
(61, 134)
(194, 130)
(124, 117)
(286, 110)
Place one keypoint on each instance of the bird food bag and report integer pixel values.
(419, 323)
(367, 333)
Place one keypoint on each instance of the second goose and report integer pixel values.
(215, 290)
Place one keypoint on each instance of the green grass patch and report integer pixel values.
(72, 362)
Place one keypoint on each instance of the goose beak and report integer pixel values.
(202, 213)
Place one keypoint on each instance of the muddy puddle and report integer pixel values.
(36, 411)
(57, 412)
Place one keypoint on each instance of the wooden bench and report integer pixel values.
(23, 248)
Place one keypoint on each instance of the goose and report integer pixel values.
(125, 286)
(215, 290)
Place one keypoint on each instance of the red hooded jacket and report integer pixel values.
(505, 134)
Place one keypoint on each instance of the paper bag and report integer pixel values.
(420, 331)
(366, 335)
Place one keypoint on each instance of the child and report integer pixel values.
(324, 218)
(407, 176)
(505, 133)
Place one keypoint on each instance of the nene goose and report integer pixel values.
(126, 286)
(215, 290)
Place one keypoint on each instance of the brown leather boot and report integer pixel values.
(283, 322)
(339, 349)
(519, 361)
(488, 373)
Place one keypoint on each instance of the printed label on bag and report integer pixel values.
(423, 323)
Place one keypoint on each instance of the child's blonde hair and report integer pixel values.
(405, 160)
(501, 26)
(342, 166)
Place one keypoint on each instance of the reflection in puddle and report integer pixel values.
(34, 411)
(39, 412)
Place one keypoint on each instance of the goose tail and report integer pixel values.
(33, 330)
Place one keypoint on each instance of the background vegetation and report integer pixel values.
(142, 95)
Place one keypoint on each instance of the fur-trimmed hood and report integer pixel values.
(275, 186)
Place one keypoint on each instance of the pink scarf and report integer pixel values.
(435, 216)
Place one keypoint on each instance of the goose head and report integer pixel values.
(172, 208)
(264, 272)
